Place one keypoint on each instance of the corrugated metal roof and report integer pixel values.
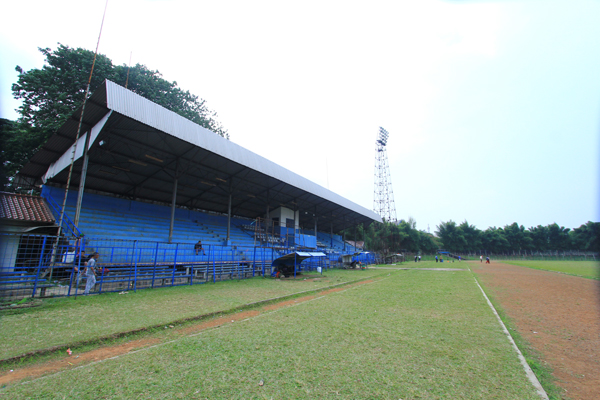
(141, 147)
(143, 110)
(24, 208)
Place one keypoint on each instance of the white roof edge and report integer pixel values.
(65, 159)
(136, 107)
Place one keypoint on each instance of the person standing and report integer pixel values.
(487, 260)
(419, 258)
(436, 259)
(90, 273)
(480, 258)
(78, 266)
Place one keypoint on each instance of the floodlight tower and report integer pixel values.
(383, 199)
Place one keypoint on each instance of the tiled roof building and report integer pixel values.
(21, 208)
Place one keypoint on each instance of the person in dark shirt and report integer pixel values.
(198, 248)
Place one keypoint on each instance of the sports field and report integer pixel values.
(586, 269)
(387, 333)
(554, 315)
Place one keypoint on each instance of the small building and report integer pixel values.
(22, 219)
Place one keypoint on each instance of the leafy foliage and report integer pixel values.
(390, 238)
(515, 237)
(5, 128)
(51, 94)
(452, 236)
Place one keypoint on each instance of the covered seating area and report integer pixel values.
(144, 177)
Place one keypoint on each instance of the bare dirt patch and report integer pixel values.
(276, 306)
(213, 323)
(559, 315)
(75, 360)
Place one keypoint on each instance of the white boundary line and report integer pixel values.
(528, 371)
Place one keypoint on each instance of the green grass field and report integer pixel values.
(409, 335)
(428, 264)
(64, 321)
(586, 269)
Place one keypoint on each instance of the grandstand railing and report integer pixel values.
(67, 224)
(28, 269)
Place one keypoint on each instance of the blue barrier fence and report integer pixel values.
(47, 266)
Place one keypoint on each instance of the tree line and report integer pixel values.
(51, 94)
(393, 238)
(516, 238)
(390, 238)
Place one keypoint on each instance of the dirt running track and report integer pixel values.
(559, 315)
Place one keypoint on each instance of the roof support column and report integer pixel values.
(331, 234)
(364, 237)
(316, 218)
(268, 231)
(95, 131)
(173, 202)
(267, 213)
(229, 216)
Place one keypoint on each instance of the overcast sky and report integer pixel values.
(493, 107)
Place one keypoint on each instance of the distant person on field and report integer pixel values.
(90, 273)
(487, 260)
(419, 258)
(198, 247)
(415, 258)
(436, 259)
(480, 258)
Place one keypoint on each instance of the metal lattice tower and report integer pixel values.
(383, 199)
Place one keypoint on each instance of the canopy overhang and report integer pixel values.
(297, 257)
(140, 150)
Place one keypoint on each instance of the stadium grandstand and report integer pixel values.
(164, 202)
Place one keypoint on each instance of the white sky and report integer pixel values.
(493, 107)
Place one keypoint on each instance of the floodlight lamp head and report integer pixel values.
(383, 136)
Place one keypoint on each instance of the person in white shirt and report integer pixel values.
(90, 273)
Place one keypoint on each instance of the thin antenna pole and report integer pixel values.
(87, 91)
(128, 68)
(87, 136)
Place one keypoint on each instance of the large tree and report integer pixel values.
(51, 94)
(558, 237)
(428, 243)
(493, 239)
(451, 236)
(5, 130)
(518, 237)
(586, 237)
(472, 236)
(539, 237)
